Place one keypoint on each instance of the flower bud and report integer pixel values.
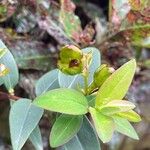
(101, 74)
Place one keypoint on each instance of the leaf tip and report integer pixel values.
(133, 62)
(136, 137)
(52, 144)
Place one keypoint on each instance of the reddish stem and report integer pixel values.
(5, 96)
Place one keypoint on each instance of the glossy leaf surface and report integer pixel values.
(86, 138)
(64, 129)
(104, 125)
(116, 86)
(47, 82)
(23, 119)
(63, 100)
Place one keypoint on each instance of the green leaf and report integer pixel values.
(11, 79)
(3, 11)
(124, 13)
(36, 139)
(76, 80)
(3, 70)
(86, 138)
(52, 28)
(91, 100)
(68, 81)
(130, 115)
(123, 126)
(116, 86)
(64, 129)
(23, 119)
(69, 20)
(139, 6)
(63, 100)
(124, 17)
(104, 125)
(118, 11)
(47, 82)
(2, 52)
(32, 54)
(116, 106)
(138, 36)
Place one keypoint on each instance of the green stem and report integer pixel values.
(86, 84)
(91, 88)
(86, 59)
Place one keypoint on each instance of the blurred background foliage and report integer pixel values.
(34, 31)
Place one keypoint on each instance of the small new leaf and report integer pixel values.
(116, 106)
(130, 115)
(104, 125)
(123, 126)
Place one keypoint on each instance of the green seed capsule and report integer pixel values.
(70, 60)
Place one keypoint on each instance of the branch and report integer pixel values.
(6, 96)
